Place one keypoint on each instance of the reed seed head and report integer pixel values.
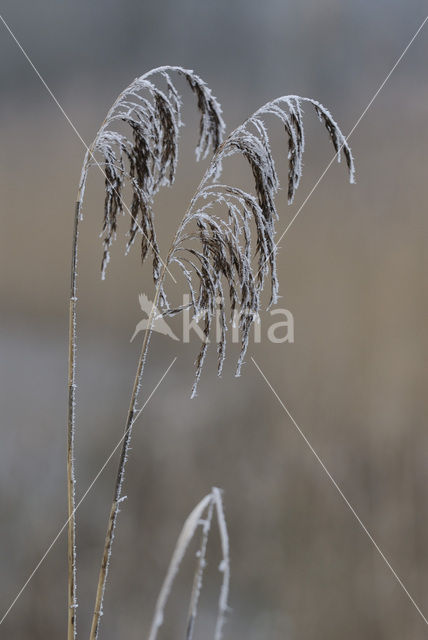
(225, 245)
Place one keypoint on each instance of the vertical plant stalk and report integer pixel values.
(223, 607)
(117, 495)
(224, 568)
(199, 573)
(71, 423)
(71, 476)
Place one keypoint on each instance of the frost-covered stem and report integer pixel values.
(197, 581)
(71, 422)
(117, 495)
(202, 515)
(188, 531)
(71, 478)
(225, 565)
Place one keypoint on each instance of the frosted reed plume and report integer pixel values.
(224, 247)
(201, 516)
(148, 159)
(230, 257)
(145, 160)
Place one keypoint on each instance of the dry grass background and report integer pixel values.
(353, 272)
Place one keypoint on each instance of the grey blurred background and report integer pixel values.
(353, 271)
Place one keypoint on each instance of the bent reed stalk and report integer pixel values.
(214, 255)
(201, 515)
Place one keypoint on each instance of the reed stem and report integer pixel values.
(71, 477)
(117, 495)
